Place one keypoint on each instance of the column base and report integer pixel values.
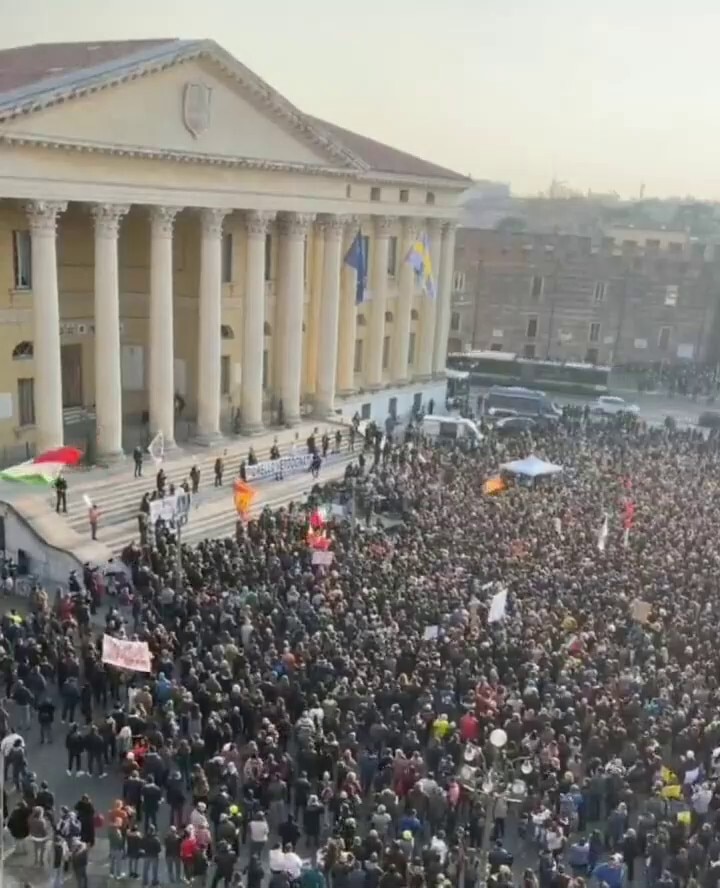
(346, 393)
(423, 377)
(109, 457)
(208, 439)
(403, 381)
(374, 386)
(252, 430)
(324, 413)
(293, 420)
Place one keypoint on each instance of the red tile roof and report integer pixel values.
(24, 66)
(383, 158)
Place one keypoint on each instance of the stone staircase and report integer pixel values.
(117, 494)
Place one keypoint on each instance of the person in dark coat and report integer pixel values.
(17, 824)
(86, 815)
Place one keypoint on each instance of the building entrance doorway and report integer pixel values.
(71, 363)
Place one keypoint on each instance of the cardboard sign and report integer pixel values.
(323, 558)
(133, 655)
(641, 610)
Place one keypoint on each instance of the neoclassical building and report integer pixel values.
(170, 225)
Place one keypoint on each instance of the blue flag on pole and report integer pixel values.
(356, 258)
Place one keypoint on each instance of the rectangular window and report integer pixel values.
(600, 291)
(227, 258)
(22, 254)
(459, 282)
(358, 360)
(529, 350)
(266, 364)
(455, 321)
(671, 296)
(652, 244)
(411, 349)
(664, 338)
(536, 287)
(675, 248)
(26, 402)
(392, 257)
(497, 347)
(430, 198)
(594, 332)
(591, 356)
(532, 328)
(268, 257)
(225, 375)
(386, 353)
(404, 195)
(375, 193)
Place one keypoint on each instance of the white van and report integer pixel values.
(449, 428)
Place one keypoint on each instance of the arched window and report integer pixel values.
(226, 331)
(414, 315)
(267, 329)
(23, 350)
(388, 317)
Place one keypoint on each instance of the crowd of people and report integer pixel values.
(686, 379)
(361, 723)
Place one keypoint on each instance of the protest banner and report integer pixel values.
(133, 655)
(641, 610)
(286, 465)
(169, 507)
(323, 558)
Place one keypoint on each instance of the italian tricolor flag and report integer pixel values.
(44, 469)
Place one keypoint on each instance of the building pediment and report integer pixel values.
(200, 108)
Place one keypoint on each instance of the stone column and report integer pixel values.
(378, 296)
(162, 346)
(42, 217)
(293, 229)
(315, 285)
(403, 307)
(209, 322)
(108, 379)
(333, 227)
(428, 308)
(442, 325)
(348, 314)
(253, 337)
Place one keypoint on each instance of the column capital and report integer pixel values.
(42, 215)
(384, 225)
(108, 217)
(448, 228)
(333, 226)
(257, 222)
(412, 226)
(211, 221)
(162, 220)
(295, 225)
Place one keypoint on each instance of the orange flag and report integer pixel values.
(243, 495)
(494, 485)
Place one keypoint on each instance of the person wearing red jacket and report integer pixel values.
(189, 848)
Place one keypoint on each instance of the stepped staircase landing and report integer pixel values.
(117, 494)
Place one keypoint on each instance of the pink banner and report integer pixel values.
(133, 655)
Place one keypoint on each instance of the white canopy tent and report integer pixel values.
(531, 467)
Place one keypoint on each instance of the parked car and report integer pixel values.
(709, 419)
(609, 405)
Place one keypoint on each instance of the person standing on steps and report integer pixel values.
(219, 469)
(138, 460)
(93, 517)
(61, 487)
(195, 477)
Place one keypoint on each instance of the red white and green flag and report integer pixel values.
(44, 469)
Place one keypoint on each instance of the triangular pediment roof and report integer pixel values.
(43, 76)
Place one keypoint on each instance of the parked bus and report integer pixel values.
(506, 368)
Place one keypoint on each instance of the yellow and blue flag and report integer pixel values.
(356, 257)
(419, 258)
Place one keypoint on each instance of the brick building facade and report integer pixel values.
(628, 297)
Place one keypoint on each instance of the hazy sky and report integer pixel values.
(600, 95)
